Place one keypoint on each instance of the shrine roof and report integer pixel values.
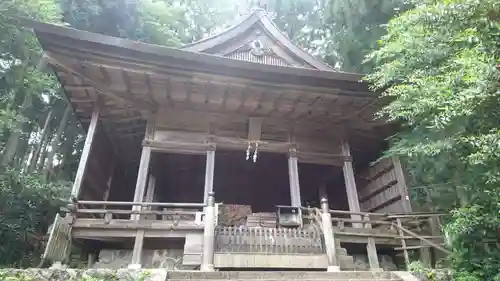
(273, 47)
(133, 79)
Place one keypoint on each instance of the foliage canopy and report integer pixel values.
(439, 65)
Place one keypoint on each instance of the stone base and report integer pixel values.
(163, 259)
(134, 266)
(332, 268)
(207, 267)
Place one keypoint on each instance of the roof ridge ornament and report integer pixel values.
(262, 6)
(257, 48)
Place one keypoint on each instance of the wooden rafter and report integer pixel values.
(129, 99)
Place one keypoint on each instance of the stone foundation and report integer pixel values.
(169, 259)
(82, 275)
(386, 263)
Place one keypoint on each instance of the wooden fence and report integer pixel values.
(268, 240)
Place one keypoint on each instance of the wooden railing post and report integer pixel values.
(207, 263)
(371, 248)
(326, 221)
(403, 241)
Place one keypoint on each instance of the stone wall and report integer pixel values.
(163, 259)
(171, 259)
(38, 274)
(386, 263)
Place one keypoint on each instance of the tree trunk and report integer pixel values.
(55, 143)
(38, 149)
(67, 148)
(11, 146)
(43, 154)
(13, 140)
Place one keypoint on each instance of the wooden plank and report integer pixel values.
(403, 190)
(381, 199)
(87, 148)
(378, 184)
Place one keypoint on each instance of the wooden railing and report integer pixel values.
(421, 230)
(268, 240)
(415, 227)
(111, 210)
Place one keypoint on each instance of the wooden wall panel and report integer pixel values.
(381, 188)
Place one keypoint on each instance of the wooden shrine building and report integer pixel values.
(245, 115)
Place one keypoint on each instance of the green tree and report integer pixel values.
(439, 65)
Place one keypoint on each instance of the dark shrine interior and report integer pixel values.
(262, 185)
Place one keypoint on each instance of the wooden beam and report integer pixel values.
(254, 129)
(169, 117)
(178, 147)
(87, 148)
(198, 143)
(59, 62)
(322, 158)
(350, 184)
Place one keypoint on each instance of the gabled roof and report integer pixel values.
(273, 47)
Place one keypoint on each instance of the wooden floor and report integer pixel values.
(96, 229)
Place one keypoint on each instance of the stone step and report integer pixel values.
(332, 279)
(279, 275)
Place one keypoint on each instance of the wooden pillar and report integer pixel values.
(150, 192)
(371, 248)
(350, 185)
(331, 251)
(403, 242)
(207, 263)
(209, 175)
(293, 173)
(140, 188)
(87, 148)
(149, 197)
(142, 177)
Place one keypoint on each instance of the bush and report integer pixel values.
(27, 208)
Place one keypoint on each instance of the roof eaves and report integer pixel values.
(163, 52)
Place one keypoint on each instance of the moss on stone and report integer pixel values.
(70, 274)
